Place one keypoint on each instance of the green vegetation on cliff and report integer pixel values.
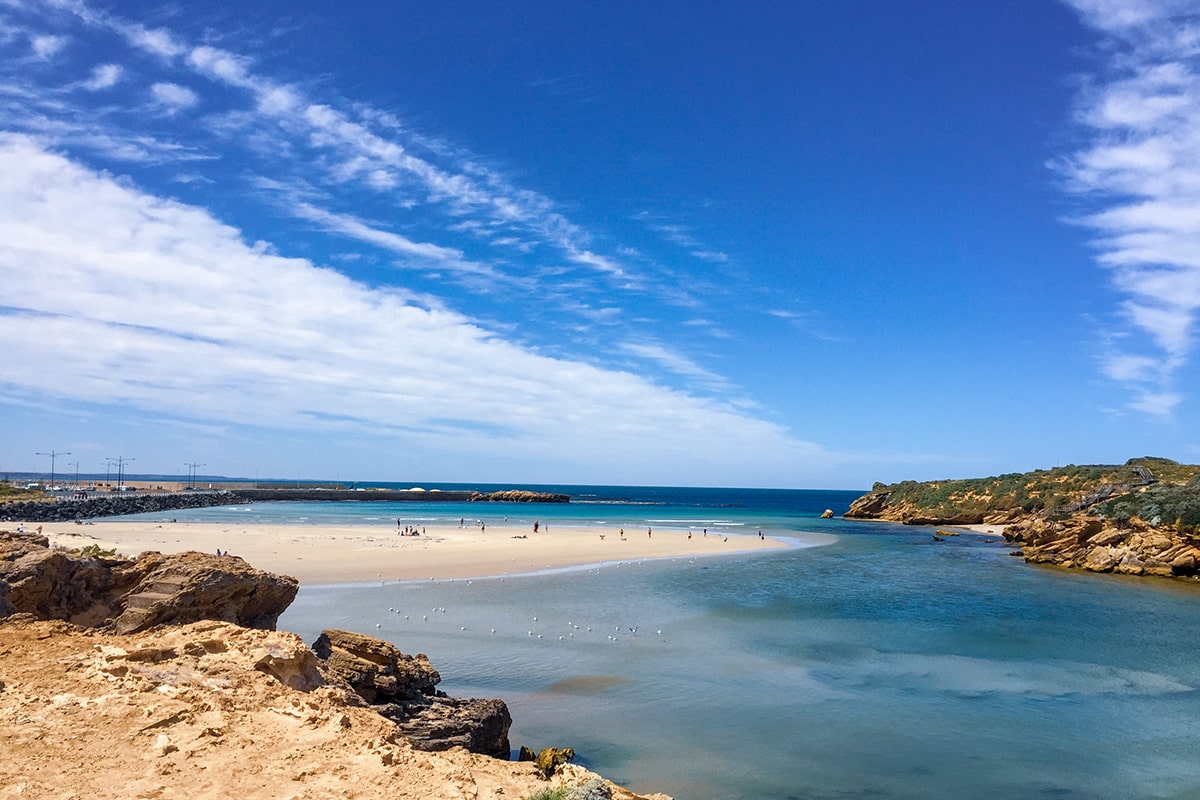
(1146, 487)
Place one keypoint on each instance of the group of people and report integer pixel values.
(408, 530)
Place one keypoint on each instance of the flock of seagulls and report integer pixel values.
(569, 635)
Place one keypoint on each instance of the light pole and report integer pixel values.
(192, 474)
(75, 464)
(120, 469)
(107, 472)
(53, 455)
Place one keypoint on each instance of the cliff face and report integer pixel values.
(1139, 518)
(169, 680)
(1133, 548)
(213, 710)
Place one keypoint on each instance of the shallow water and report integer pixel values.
(885, 666)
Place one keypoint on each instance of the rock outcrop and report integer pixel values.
(1139, 518)
(191, 711)
(519, 496)
(130, 596)
(187, 587)
(1132, 548)
(403, 689)
(172, 681)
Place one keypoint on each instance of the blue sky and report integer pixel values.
(792, 244)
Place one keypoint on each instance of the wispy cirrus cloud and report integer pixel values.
(549, 303)
(150, 303)
(1141, 174)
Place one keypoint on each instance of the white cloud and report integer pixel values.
(1142, 168)
(156, 41)
(677, 363)
(173, 97)
(104, 76)
(152, 304)
(428, 255)
(46, 46)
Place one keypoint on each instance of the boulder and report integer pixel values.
(1184, 564)
(1131, 564)
(550, 759)
(377, 671)
(402, 688)
(292, 664)
(156, 589)
(1102, 559)
(440, 723)
(53, 584)
(179, 588)
(827, 514)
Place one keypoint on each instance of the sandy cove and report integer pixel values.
(318, 554)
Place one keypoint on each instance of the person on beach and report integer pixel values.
(536, 523)
(649, 533)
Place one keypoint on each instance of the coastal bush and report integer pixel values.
(1055, 492)
(95, 551)
(549, 793)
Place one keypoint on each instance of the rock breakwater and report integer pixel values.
(111, 506)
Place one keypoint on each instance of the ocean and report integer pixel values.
(880, 665)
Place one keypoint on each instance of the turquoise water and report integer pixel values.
(885, 665)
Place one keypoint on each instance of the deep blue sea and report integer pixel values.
(883, 665)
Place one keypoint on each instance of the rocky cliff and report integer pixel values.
(163, 676)
(1139, 518)
(214, 711)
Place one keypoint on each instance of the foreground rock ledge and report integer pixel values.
(167, 693)
(195, 711)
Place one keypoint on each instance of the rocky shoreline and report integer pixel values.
(1095, 524)
(185, 647)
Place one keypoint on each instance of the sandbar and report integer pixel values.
(323, 554)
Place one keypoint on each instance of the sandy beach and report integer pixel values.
(318, 554)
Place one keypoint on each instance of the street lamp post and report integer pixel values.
(121, 460)
(192, 474)
(53, 455)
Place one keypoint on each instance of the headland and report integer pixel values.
(1138, 518)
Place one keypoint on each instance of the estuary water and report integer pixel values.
(881, 665)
